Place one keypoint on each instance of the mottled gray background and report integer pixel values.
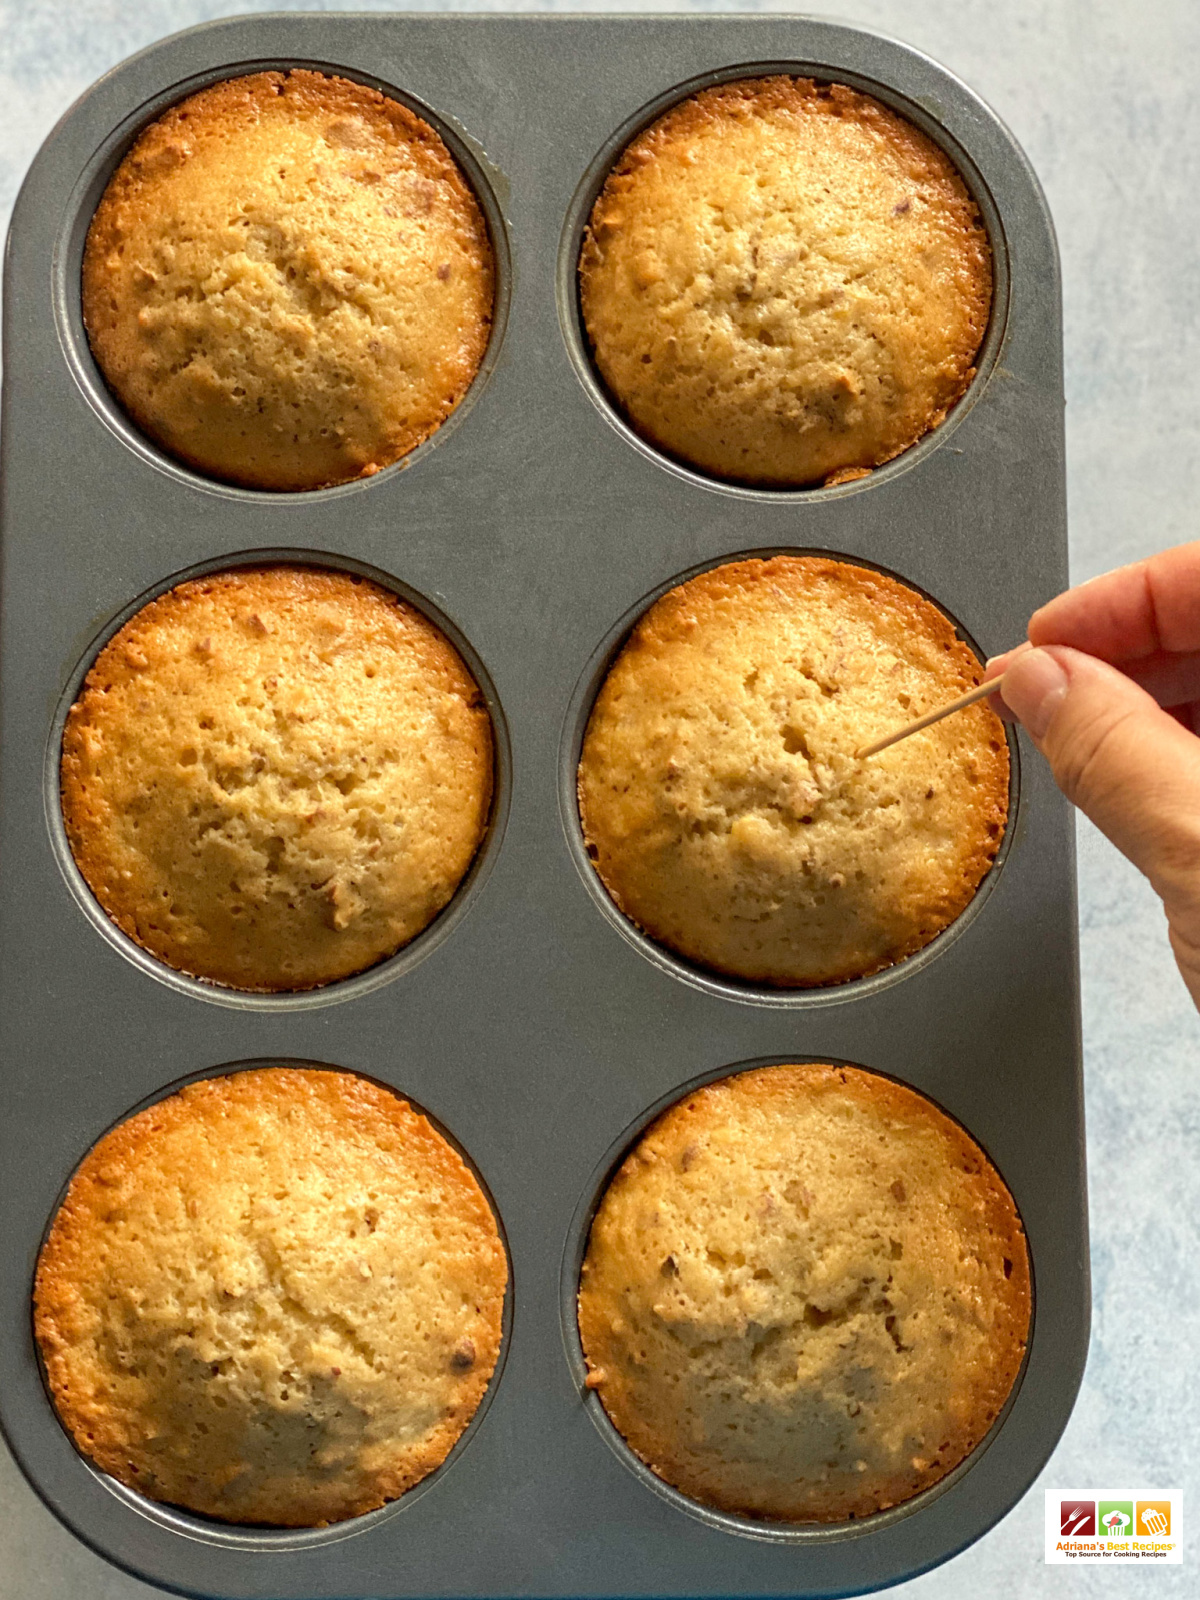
(1105, 97)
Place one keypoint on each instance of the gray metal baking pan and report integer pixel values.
(534, 1024)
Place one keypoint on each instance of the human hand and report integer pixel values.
(1108, 688)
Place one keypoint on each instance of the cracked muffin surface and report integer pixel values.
(274, 1297)
(721, 799)
(288, 282)
(274, 777)
(785, 283)
(806, 1294)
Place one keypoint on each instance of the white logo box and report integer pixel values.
(1163, 1548)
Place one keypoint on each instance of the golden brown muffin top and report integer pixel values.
(721, 798)
(275, 1297)
(276, 776)
(288, 282)
(806, 1294)
(784, 282)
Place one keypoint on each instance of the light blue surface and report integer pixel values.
(1104, 96)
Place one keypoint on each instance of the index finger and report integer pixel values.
(1147, 609)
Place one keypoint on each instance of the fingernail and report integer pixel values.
(1034, 688)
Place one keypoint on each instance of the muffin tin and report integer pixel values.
(534, 1024)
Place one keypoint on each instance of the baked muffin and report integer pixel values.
(721, 798)
(274, 1297)
(288, 282)
(276, 776)
(806, 1294)
(785, 283)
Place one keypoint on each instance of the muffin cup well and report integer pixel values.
(578, 1237)
(371, 977)
(93, 181)
(264, 1538)
(679, 966)
(591, 184)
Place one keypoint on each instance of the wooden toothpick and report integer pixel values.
(979, 692)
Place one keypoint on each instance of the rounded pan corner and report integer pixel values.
(252, 1540)
(92, 181)
(883, 1525)
(915, 109)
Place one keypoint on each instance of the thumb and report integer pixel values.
(1127, 765)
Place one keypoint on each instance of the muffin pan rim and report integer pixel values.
(744, 990)
(67, 268)
(772, 1530)
(570, 309)
(265, 1538)
(385, 971)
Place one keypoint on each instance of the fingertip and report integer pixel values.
(1111, 616)
(995, 667)
(1034, 687)
(1045, 625)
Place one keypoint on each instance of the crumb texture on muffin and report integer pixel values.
(288, 282)
(806, 1294)
(785, 283)
(275, 1297)
(276, 776)
(720, 796)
